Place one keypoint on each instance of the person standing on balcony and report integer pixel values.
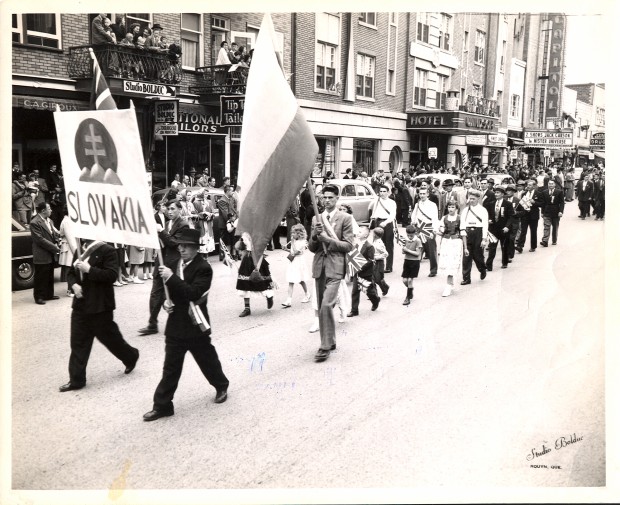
(99, 34)
(232, 53)
(222, 57)
(153, 40)
(119, 28)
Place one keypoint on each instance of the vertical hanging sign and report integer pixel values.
(553, 100)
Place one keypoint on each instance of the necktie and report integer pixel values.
(497, 211)
(551, 195)
(327, 217)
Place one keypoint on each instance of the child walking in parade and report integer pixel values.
(381, 254)
(251, 280)
(451, 246)
(411, 264)
(297, 270)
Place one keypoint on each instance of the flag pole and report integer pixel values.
(316, 208)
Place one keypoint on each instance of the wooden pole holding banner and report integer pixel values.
(167, 160)
(316, 208)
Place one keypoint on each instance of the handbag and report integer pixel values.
(290, 257)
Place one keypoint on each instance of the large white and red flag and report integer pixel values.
(100, 96)
(278, 149)
(108, 197)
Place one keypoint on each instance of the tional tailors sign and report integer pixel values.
(105, 182)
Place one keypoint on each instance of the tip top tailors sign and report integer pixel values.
(106, 185)
(231, 110)
(547, 138)
(597, 141)
(147, 88)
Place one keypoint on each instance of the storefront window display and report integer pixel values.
(365, 155)
(326, 158)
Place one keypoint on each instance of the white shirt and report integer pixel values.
(430, 209)
(379, 212)
(468, 219)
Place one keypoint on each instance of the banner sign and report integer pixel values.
(108, 197)
(476, 140)
(200, 123)
(498, 139)
(553, 96)
(166, 111)
(147, 88)
(548, 138)
(166, 129)
(231, 110)
(597, 141)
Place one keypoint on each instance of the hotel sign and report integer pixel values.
(553, 98)
(548, 139)
(451, 122)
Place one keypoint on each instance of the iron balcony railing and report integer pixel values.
(127, 62)
(221, 80)
(482, 106)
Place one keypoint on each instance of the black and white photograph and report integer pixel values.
(268, 252)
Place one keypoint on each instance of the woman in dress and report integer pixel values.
(251, 279)
(297, 270)
(203, 209)
(569, 185)
(136, 259)
(451, 246)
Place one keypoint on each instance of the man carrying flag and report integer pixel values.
(425, 217)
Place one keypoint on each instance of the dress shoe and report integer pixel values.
(504, 266)
(483, 274)
(464, 283)
(70, 386)
(39, 301)
(129, 368)
(510, 260)
(269, 302)
(148, 330)
(519, 250)
(333, 347)
(220, 396)
(246, 312)
(153, 415)
(544, 244)
(432, 274)
(353, 313)
(387, 271)
(533, 250)
(406, 301)
(384, 293)
(54, 297)
(375, 305)
(554, 243)
(447, 291)
(489, 268)
(321, 355)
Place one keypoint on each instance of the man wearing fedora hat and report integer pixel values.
(449, 194)
(188, 327)
(154, 39)
(501, 217)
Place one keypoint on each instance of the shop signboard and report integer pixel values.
(497, 139)
(556, 23)
(432, 153)
(231, 110)
(546, 153)
(149, 88)
(166, 111)
(476, 140)
(203, 122)
(513, 154)
(166, 129)
(548, 138)
(591, 156)
(597, 141)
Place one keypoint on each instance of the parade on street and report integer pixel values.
(252, 252)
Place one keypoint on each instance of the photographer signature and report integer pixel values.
(560, 443)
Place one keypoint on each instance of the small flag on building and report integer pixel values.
(100, 96)
(355, 261)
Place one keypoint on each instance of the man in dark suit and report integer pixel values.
(91, 278)
(227, 210)
(515, 225)
(552, 205)
(448, 195)
(530, 201)
(598, 196)
(168, 235)
(366, 272)
(487, 200)
(330, 241)
(501, 217)
(44, 251)
(188, 328)
(585, 190)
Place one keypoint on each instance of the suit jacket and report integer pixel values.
(98, 32)
(98, 283)
(534, 212)
(552, 206)
(334, 261)
(585, 191)
(196, 282)
(461, 198)
(487, 200)
(598, 190)
(225, 206)
(505, 218)
(43, 242)
(368, 251)
(443, 204)
(169, 240)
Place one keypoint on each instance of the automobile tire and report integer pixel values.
(23, 274)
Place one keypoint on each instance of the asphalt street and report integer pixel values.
(457, 391)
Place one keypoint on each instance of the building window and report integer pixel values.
(481, 42)
(476, 90)
(396, 159)
(365, 155)
(419, 91)
(500, 98)
(514, 106)
(391, 82)
(423, 23)
(365, 76)
(445, 32)
(191, 40)
(532, 110)
(37, 30)
(326, 157)
(326, 51)
(466, 42)
(442, 88)
(219, 23)
(368, 18)
(394, 18)
(503, 57)
(144, 20)
(600, 116)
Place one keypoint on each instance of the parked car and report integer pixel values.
(21, 257)
(502, 179)
(357, 194)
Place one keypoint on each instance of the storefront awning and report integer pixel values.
(516, 141)
(599, 155)
(583, 152)
(47, 103)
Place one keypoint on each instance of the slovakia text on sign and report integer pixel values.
(166, 111)
(544, 138)
(231, 110)
(146, 88)
(107, 190)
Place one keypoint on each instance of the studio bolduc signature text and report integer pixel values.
(560, 443)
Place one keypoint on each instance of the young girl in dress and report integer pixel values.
(136, 259)
(297, 271)
(451, 246)
(249, 280)
(411, 264)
